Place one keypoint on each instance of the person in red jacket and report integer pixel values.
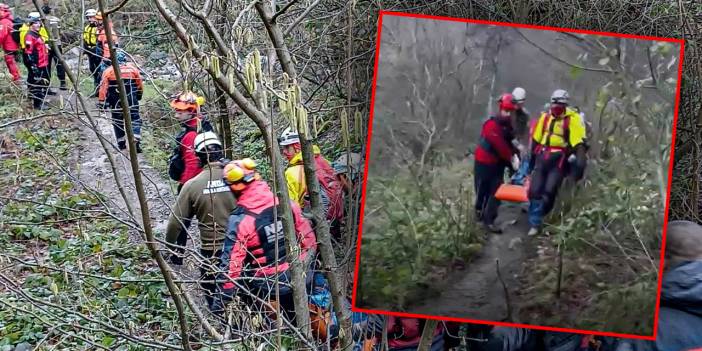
(249, 252)
(37, 54)
(494, 153)
(7, 43)
(187, 112)
(404, 334)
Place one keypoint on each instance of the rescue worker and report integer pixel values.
(521, 116)
(494, 153)
(207, 198)
(37, 60)
(184, 164)
(7, 42)
(54, 31)
(89, 42)
(680, 315)
(102, 46)
(332, 194)
(108, 97)
(347, 169)
(248, 256)
(558, 137)
(348, 172)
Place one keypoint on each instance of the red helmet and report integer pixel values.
(506, 102)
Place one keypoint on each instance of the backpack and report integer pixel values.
(324, 322)
(176, 163)
(16, 25)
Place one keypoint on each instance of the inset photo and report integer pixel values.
(517, 175)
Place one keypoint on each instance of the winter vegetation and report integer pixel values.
(82, 224)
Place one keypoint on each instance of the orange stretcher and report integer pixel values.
(512, 192)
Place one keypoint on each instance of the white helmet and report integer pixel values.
(560, 96)
(519, 95)
(90, 13)
(288, 137)
(33, 17)
(203, 140)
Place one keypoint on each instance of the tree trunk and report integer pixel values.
(138, 184)
(259, 118)
(427, 335)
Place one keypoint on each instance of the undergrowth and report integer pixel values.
(413, 233)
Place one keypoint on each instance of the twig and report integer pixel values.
(504, 287)
(302, 16)
(282, 11)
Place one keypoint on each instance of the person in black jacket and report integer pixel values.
(680, 315)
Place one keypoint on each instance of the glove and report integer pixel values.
(140, 94)
(572, 158)
(515, 163)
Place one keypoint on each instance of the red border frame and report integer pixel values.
(368, 147)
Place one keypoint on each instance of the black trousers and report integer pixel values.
(546, 179)
(94, 62)
(38, 85)
(60, 70)
(487, 178)
(208, 273)
(115, 106)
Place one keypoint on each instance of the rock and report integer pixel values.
(158, 56)
(514, 242)
(23, 347)
(75, 52)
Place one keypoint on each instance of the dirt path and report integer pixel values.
(478, 292)
(95, 172)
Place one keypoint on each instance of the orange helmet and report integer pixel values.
(187, 101)
(98, 16)
(239, 173)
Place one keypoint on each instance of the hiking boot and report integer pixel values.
(533, 231)
(122, 145)
(63, 86)
(138, 147)
(492, 228)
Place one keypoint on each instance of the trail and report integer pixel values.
(477, 292)
(95, 173)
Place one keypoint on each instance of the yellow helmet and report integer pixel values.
(239, 173)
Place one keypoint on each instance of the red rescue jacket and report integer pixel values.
(36, 50)
(6, 42)
(249, 245)
(494, 146)
(187, 151)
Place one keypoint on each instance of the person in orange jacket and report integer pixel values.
(102, 47)
(108, 96)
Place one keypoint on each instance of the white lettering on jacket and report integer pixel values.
(215, 186)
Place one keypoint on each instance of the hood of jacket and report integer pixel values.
(682, 287)
(257, 196)
(297, 159)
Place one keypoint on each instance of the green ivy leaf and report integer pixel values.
(107, 341)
